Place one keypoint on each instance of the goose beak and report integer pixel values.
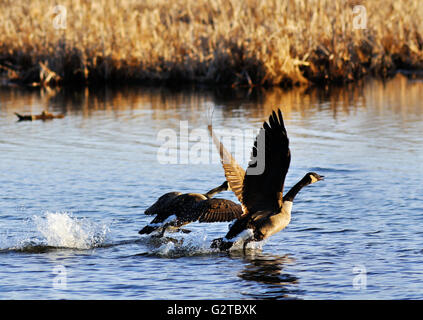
(321, 178)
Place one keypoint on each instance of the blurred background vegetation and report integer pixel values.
(216, 42)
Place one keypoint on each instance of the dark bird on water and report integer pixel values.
(175, 209)
(260, 188)
(45, 115)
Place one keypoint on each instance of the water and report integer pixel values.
(73, 192)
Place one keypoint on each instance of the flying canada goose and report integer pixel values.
(45, 115)
(265, 210)
(175, 209)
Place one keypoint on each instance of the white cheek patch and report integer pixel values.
(313, 179)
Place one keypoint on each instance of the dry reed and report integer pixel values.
(229, 42)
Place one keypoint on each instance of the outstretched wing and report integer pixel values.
(217, 210)
(233, 172)
(270, 159)
(162, 205)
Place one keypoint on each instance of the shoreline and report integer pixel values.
(180, 85)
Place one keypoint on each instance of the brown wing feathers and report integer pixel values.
(233, 172)
(218, 210)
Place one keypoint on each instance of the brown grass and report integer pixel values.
(230, 42)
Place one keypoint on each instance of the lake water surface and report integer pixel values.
(73, 192)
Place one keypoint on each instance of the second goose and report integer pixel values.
(174, 209)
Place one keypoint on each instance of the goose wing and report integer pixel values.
(265, 176)
(217, 210)
(158, 222)
(162, 204)
(170, 209)
(233, 172)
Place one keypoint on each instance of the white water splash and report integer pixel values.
(253, 245)
(240, 239)
(194, 243)
(66, 231)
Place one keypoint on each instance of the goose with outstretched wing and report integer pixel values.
(174, 210)
(265, 211)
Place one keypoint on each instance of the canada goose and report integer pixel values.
(175, 209)
(265, 210)
(45, 115)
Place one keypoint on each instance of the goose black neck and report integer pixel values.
(295, 189)
(214, 191)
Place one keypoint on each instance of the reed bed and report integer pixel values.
(223, 42)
